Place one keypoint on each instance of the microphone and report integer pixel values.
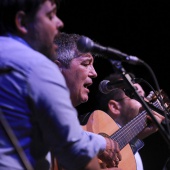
(85, 44)
(106, 86)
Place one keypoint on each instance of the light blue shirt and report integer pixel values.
(35, 101)
(139, 163)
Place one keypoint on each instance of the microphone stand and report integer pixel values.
(118, 66)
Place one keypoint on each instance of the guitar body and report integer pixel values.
(100, 122)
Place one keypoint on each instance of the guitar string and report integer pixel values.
(137, 124)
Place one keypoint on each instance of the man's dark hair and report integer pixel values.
(116, 94)
(103, 99)
(9, 9)
(67, 48)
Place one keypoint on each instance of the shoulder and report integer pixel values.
(23, 58)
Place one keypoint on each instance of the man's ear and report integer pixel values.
(113, 109)
(21, 22)
(59, 64)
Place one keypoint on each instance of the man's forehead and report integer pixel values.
(87, 55)
(47, 7)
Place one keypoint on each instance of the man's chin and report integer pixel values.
(84, 100)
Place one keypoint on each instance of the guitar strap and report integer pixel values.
(15, 142)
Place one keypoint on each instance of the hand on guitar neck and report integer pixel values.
(151, 126)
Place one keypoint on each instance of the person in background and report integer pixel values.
(35, 103)
(120, 105)
(79, 72)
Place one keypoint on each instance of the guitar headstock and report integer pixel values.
(153, 98)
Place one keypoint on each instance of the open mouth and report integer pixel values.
(87, 85)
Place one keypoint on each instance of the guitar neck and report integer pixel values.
(126, 133)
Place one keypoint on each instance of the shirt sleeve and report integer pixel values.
(101, 142)
(136, 145)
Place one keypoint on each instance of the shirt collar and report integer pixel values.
(17, 38)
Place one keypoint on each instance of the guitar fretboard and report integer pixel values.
(125, 134)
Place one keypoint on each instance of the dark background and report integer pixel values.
(139, 28)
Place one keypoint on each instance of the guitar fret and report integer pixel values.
(125, 134)
(156, 103)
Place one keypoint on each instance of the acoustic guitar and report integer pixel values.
(100, 122)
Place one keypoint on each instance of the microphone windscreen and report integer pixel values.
(84, 44)
(103, 86)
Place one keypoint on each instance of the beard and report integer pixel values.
(41, 43)
(47, 50)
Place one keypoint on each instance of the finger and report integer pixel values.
(158, 115)
(117, 162)
(106, 158)
(112, 164)
(119, 156)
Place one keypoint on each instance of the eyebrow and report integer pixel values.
(86, 56)
(53, 10)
